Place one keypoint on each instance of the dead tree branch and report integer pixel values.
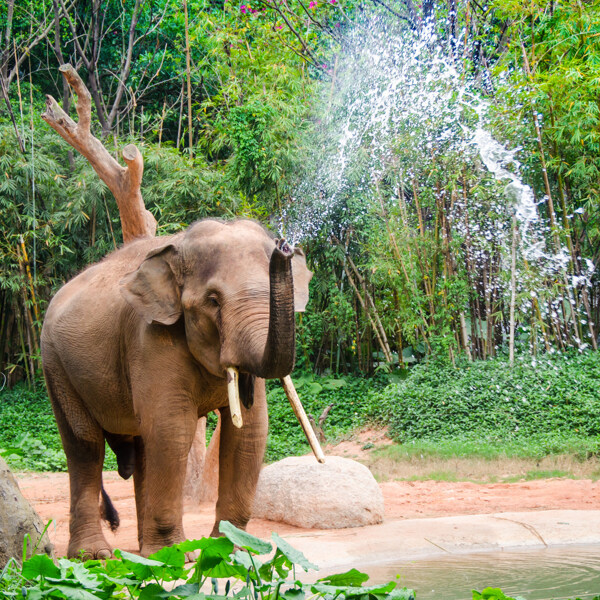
(123, 182)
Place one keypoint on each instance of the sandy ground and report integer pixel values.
(49, 493)
(424, 516)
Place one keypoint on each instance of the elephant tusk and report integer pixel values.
(290, 392)
(233, 391)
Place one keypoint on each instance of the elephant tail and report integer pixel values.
(109, 512)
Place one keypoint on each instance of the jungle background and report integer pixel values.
(420, 319)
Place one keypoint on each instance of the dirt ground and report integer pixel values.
(49, 494)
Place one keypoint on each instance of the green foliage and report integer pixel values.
(482, 409)
(556, 396)
(493, 594)
(29, 453)
(352, 399)
(29, 438)
(164, 575)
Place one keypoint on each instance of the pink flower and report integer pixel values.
(312, 4)
(244, 9)
(279, 27)
(332, 1)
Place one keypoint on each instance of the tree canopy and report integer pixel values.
(348, 126)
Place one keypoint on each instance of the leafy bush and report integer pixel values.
(29, 438)
(160, 575)
(557, 396)
(29, 453)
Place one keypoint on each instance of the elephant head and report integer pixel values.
(235, 288)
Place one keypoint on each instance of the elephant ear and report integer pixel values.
(152, 289)
(301, 276)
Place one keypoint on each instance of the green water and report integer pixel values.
(549, 574)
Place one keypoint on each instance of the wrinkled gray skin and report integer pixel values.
(135, 349)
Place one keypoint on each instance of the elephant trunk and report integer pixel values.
(280, 349)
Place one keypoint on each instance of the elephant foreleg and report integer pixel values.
(241, 455)
(166, 442)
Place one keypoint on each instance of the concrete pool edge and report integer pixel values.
(413, 539)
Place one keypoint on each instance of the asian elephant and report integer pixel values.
(135, 349)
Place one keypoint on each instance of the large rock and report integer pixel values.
(302, 492)
(17, 518)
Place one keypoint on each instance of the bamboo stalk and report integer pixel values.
(384, 347)
(30, 280)
(513, 291)
(22, 340)
(188, 78)
(32, 337)
(536, 306)
(371, 303)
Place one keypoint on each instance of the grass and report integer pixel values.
(467, 460)
(580, 448)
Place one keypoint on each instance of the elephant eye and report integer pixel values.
(213, 300)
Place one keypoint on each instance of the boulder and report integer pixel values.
(17, 518)
(300, 491)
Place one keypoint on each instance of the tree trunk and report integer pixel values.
(18, 519)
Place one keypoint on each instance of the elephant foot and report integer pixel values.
(89, 548)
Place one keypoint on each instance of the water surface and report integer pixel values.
(548, 574)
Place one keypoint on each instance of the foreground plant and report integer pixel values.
(497, 594)
(232, 558)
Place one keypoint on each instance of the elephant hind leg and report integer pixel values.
(83, 443)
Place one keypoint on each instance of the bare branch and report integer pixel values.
(298, 36)
(123, 182)
(43, 30)
(409, 20)
(126, 66)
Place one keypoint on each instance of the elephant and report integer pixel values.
(138, 346)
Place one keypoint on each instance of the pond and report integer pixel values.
(553, 573)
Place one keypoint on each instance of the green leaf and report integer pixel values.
(215, 552)
(244, 560)
(294, 556)
(293, 594)
(173, 556)
(142, 567)
(75, 593)
(152, 591)
(128, 557)
(353, 590)
(40, 565)
(352, 577)
(313, 388)
(243, 539)
(186, 590)
(334, 384)
(490, 593)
